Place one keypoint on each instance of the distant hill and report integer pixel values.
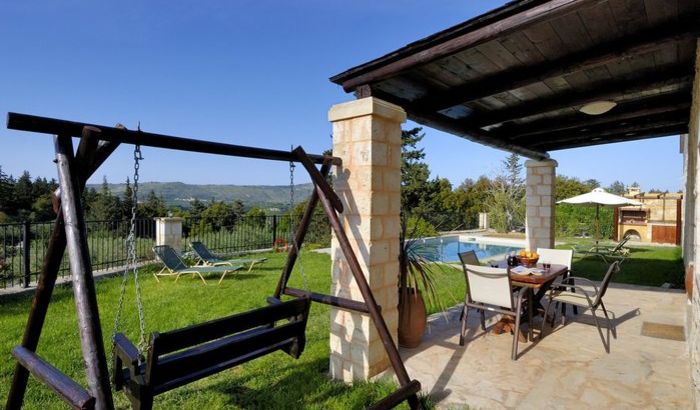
(181, 194)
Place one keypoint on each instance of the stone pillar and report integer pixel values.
(539, 202)
(367, 136)
(691, 198)
(484, 220)
(169, 232)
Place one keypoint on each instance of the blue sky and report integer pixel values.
(241, 72)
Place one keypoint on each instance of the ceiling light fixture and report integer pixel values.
(597, 107)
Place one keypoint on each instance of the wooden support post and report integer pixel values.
(318, 179)
(81, 273)
(49, 272)
(299, 236)
(70, 391)
(375, 314)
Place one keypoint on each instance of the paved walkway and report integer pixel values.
(569, 368)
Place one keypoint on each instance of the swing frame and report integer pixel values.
(97, 143)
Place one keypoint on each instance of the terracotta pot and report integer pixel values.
(412, 317)
(689, 272)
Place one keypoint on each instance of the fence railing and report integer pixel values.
(24, 245)
(242, 234)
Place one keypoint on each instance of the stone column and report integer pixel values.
(539, 202)
(169, 232)
(367, 136)
(691, 198)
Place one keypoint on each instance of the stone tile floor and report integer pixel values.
(568, 368)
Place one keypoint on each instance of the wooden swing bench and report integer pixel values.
(181, 356)
(184, 355)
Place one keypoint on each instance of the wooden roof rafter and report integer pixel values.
(619, 49)
(649, 106)
(527, 68)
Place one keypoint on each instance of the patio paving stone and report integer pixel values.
(569, 368)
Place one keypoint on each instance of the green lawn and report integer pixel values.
(276, 381)
(646, 265)
(272, 382)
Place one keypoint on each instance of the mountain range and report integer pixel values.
(181, 194)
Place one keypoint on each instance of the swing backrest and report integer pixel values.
(169, 257)
(181, 356)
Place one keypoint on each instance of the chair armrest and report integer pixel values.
(579, 288)
(580, 279)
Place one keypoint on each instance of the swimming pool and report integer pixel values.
(446, 249)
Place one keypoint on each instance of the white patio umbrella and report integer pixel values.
(598, 197)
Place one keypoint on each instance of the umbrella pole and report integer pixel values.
(597, 226)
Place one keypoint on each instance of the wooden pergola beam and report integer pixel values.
(620, 49)
(610, 90)
(601, 133)
(409, 57)
(649, 133)
(452, 126)
(666, 103)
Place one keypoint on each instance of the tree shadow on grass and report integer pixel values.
(303, 385)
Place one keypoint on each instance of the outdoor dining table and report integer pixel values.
(537, 285)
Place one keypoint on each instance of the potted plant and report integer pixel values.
(417, 263)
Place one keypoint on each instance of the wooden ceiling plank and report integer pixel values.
(648, 106)
(499, 55)
(665, 57)
(597, 134)
(596, 74)
(546, 11)
(572, 32)
(630, 15)
(600, 23)
(627, 49)
(443, 123)
(557, 84)
(655, 133)
(546, 40)
(522, 49)
(489, 103)
(624, 129)
(661, 10)
(608, 90)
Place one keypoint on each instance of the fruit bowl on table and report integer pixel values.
(527, 262)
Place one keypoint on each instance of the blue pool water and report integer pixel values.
(446, 249)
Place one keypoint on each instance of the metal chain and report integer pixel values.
(304, 279)
(131, 263)
(133, 258)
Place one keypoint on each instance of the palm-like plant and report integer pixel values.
(417, 263)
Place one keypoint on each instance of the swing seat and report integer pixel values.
(182, 356)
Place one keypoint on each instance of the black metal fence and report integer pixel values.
(24, 244)
(245, 233)
(24, 247)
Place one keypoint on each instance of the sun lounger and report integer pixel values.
(207, 258)
(175, 266)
